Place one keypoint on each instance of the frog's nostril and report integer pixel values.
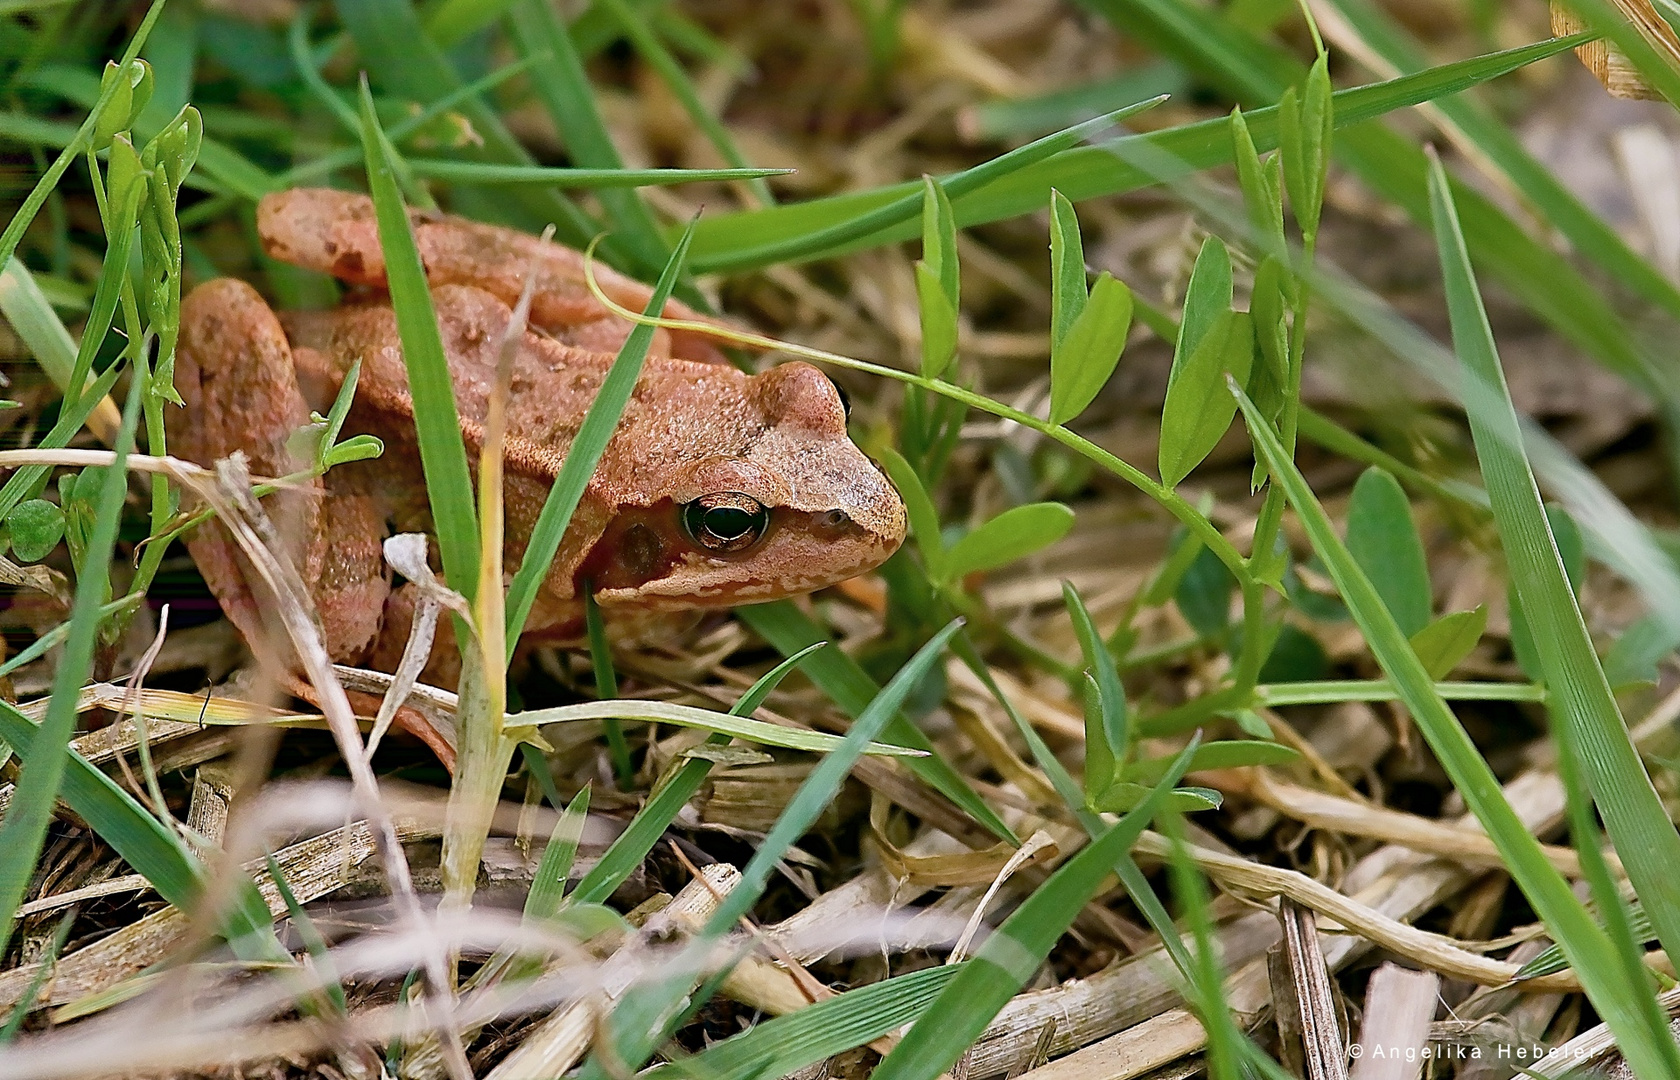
(836, 519)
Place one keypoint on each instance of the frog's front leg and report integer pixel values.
(235, 372)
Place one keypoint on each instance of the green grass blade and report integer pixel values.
(820, 787)
(789, 1043)
(443, 455)
(900, 205)
(1615, 537)
(491, 174)
(1043, 113)
(753, 238)
(1618, 923)
(633, 1028)
(25, 826)
(659, 58)
(313, 942)
(1206, 988)
(548, 886)
(585, 452)
(564, 88)
(850, 687)
(42, 331)
(633, 844)
(1396, 170)
(606, 684)
(402, 60)
(142, 841)
(1584, 943)
(1011, 955)
(1555, 204)
(1584, 713)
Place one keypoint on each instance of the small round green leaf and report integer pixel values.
(36, 527)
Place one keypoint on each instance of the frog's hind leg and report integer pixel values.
(336, 232)
(234, 371)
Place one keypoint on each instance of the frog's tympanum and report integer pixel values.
(717, 488)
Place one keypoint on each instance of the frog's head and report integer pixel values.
(788, 506)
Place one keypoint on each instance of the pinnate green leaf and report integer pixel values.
(939, 238)
(1106, 738)
(1015, 533)
(1081, 364)
(1304, 128)
(939, 322)
(1385, 542)
(1206, 300)
(1203, 589)
(1260, 193)
(1067, 268)
(924, 520)
(1199, 409)
(1444, 643)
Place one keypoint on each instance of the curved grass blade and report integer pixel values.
(1585, 944)
(1585, 717)
(752, 238)
(443, 455)
(898, 205)
(665, 712)
(1011, 955)
(566, 179)
(850, 687)
(789, 1043)
(633, 844)
(1618, 919)
(637, 1022)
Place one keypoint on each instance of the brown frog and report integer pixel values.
(718, 487)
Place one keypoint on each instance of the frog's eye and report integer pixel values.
(727, 521)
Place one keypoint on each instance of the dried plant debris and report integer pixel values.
(1233, 702)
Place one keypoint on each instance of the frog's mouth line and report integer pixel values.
(644, 557)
